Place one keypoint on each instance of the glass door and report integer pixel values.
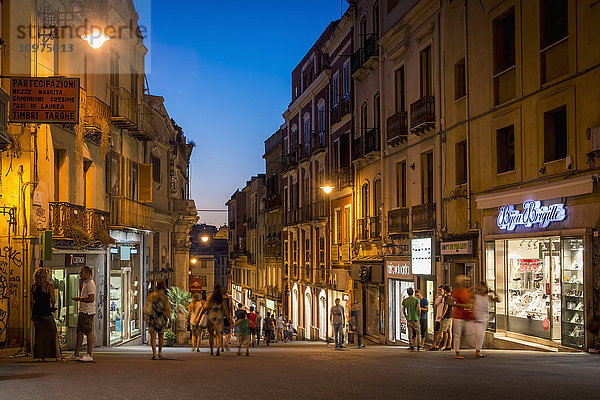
(115, 307)
(60, 293)
(573, 334)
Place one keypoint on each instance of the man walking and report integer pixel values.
(338, 320)
(85, 318)
(462, 303)
(280, 328)
(424, 304)
(253, 330)
(412, 309)
(438, 313)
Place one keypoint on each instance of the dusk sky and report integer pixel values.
(224, 69)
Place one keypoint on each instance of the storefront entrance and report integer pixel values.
(66, 286)
(397, 321)
(544, 287)
(124, 294)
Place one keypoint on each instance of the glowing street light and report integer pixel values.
(327, 189)
(95, 39)
(204, 238)
(193, 261)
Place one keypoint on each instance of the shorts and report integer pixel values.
(243, 338)
(446, 324)
(85, 323)
(252, 331)
(226, 330)
(436, 326)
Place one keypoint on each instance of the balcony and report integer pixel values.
(291, 217)
(291, 160)
(422, 115)
(273, 202)
(371, 52)
(294, 271)
(398, 221)
(357, 61)
(362, 230)
(321, 275)
(128, 213)
(344, 177)
(84, 226)
(346, 105)
(303, 152)
(397, 128)
(319, 209)
(335, 114)
(423, 217)
(372, 142)
(124, 108)
(357, 148)
(318, 143)
(147, 129)
(96, 120)
(375, 227)
(305, 213)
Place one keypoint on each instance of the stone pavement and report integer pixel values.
(305, 371)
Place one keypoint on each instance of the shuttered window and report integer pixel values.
(145, 183)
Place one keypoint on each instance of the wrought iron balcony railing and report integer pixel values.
(146, 128)
(423, 216)
(319, 209)
(97, 119)
(346, 105)
(362, 230)
(398, 222)
(375, 227)
(305, 213)
(272, 202)
(357, 148)
(80, 224)
(371, 141)
(335, 114)
(124, 108)
(344, 177)
(422, 114)
(318, 141)
(128, 213)
(397, 128)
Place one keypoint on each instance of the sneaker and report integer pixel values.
(411, 348)
(362, 346)
(419, 348)
(73, 357)
(87, 358)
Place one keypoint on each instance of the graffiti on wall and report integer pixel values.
(11, 263)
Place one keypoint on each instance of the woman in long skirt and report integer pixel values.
(42, 302)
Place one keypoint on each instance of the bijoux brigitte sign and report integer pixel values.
(533, 213)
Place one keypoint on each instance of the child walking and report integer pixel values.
(243, 324)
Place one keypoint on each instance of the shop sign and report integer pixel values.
(398, 269)
(74, 260)
(44, 100)
(533, 213)
(196, 285)
(461, 247)
(270, 304)
(422, 256)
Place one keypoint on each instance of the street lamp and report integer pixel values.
(327, 189)
(193, 261)
(204, 239)
(95, 39)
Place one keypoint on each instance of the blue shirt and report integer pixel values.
(424, 303)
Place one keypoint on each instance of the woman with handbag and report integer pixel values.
(216, 309)
(42, 303)
(194, 312)
(157, 313)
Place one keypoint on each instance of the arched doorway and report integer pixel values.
(323, 315)
(295, 306)
(307, 313)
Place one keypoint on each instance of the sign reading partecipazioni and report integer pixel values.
(44, 100)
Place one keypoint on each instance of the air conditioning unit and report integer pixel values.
(593, 134)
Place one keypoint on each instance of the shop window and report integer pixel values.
(401, 184)
(425, 72)
(490, 280)
(572, 300)
(460, 87)
(555, 134)
(505, 149)
(504, 57)
(554, 45)
(461, 162)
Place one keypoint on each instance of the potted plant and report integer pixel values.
(178, 301)
(170, 338)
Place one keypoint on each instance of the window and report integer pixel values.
(555, 134)
(505, 149)
(425, 72)
(377, 111)
(155, 168)
(336, 155)
(460, 87)
(321, 250)
(335, 87)
(346, 78)
(306, 132)
(553, 21)
(376, 19)
(337, 226)
(377, 197)
(347, 225)
(295, 251)
(365, 200)
(461, 162)
(401, 184)
(504, 42)
(399, 85)
(321, 118)
(133, 176)
(363, 118)
(427, 177)
(307, 251)
(554, 46)
(60, 174)
(363, 31)
(285, 252)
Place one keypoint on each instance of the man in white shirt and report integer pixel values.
(338, 319)
(280, 335)
(85, 318)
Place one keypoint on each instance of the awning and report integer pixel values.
(565, 188)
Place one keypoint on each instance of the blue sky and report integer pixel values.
(224, 69)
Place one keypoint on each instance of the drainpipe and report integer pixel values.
(442, 120)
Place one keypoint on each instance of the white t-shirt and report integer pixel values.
(89, 287)
(280, 322)
(480, 307)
